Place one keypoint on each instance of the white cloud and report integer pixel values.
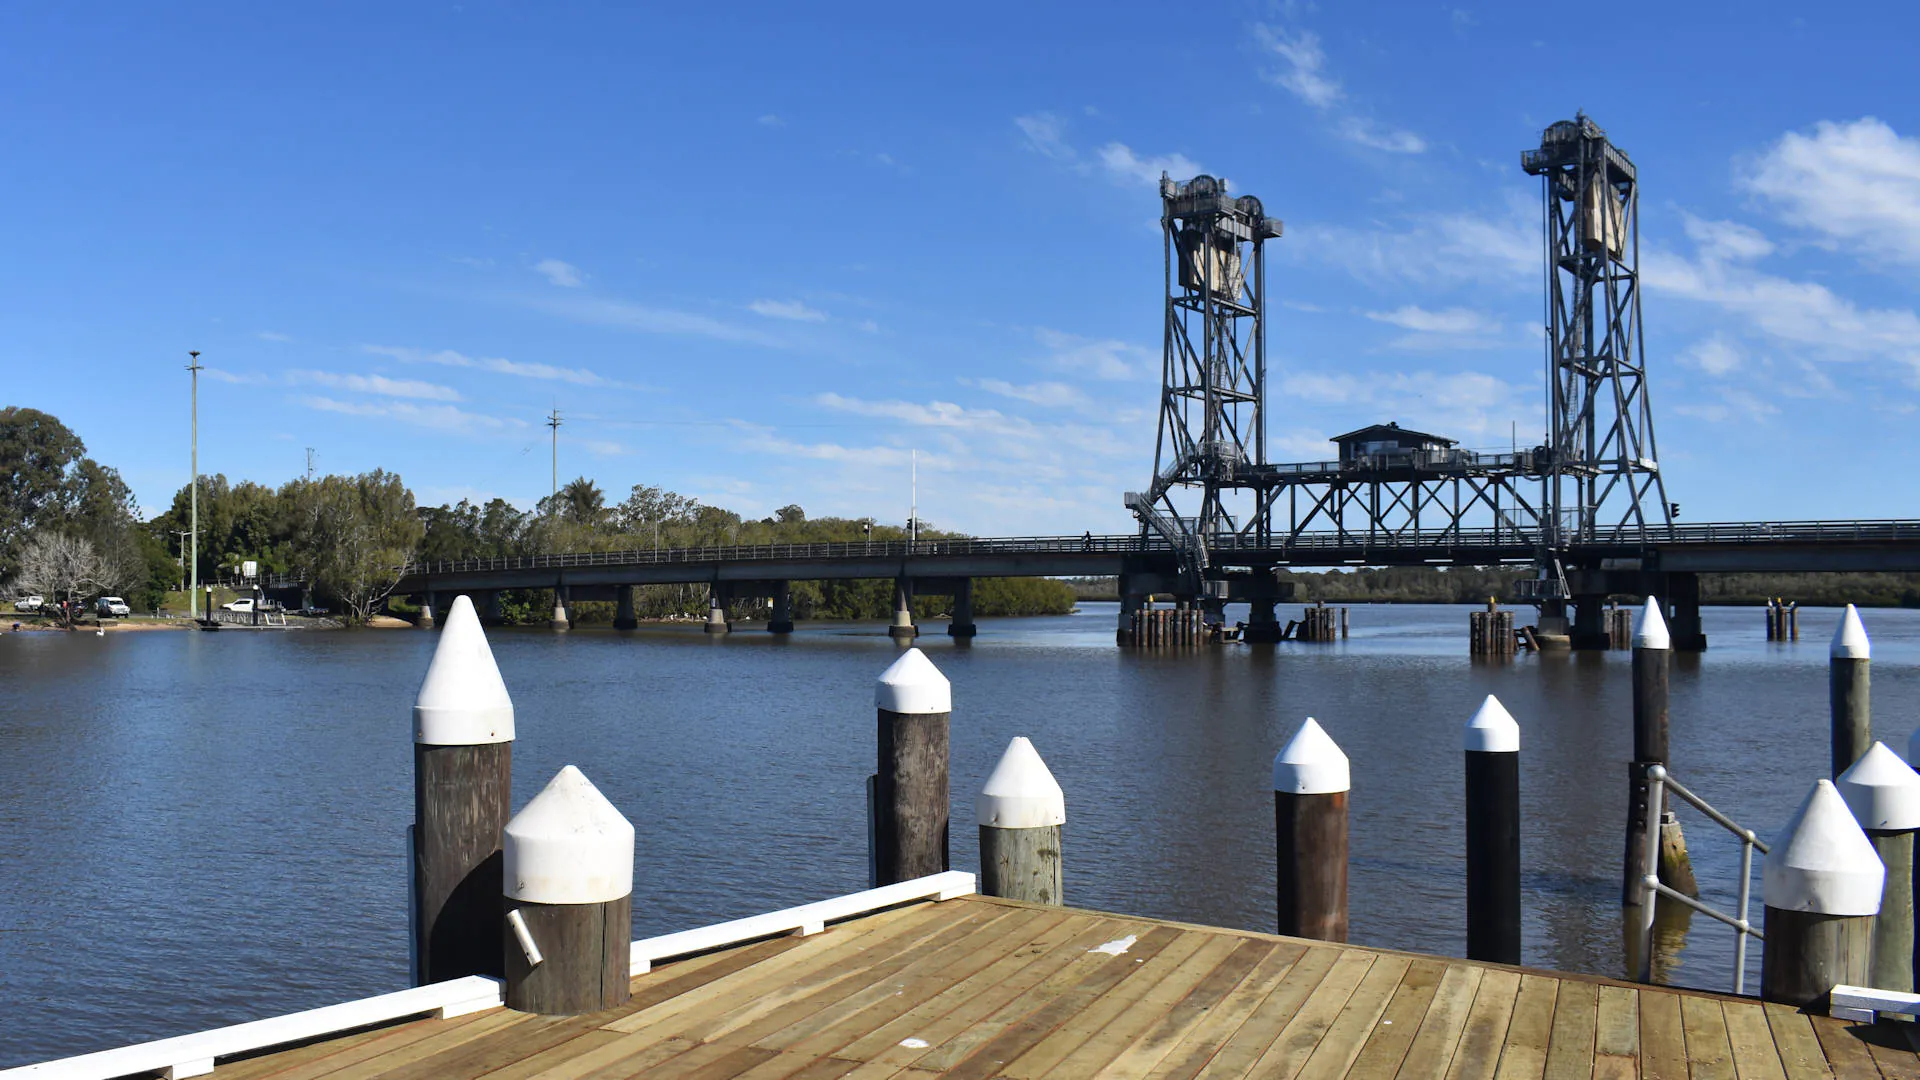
(565, 275)
(787, 309)
(1715, 356)
(1304, 71)
(1123, 164)
(1045, 133)
(1432, 248)
(236, 378)
(434, 417)
(377, 384)
(1103, 358)
(1733, 403)
(869, 326)
(771, 120)
(1464, 405)
(1725, 241)
(1855, 184)
(1393, 141)
(625, 315)
(1449, 321)
(270, 335)
(518, 368)
(1050, 394)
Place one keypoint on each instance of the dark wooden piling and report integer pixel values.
(1652, 662)
(1492, 752)
(462, 796)
(1849, 682)
(915, 703)
(1310, 786)
(566, 937)
(1822, 885)
(1021, 811)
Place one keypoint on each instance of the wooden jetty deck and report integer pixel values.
(983, 988)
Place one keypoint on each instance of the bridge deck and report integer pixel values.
(985, 988)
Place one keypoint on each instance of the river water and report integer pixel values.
(200, 829)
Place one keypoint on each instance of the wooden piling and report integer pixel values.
(1821, 886)
(566, 938)
(1492, 751)
(1652, 660)
(911, 793)
(462, 796)
(1884, 795)
(1021, 811)
(1849, 671)
(1310, 785)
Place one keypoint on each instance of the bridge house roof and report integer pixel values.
(1406, 437)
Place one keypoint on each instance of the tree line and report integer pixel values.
(70, 529)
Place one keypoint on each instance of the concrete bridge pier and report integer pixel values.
(782, 621)
(623, 617)
(1262, 625)
(902, 628)
(562, 619)
(1131, 604)
(1589, 624)
(425, 622)
(1683, 595)
(717, 612)
(962, 628)
(490, 608)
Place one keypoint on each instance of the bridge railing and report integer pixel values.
(1503, 541)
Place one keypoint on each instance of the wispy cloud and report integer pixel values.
(1855, 185)
(376, 384)
(1449, 328)
(270, 335)
(518, 368)
(1123, 164)
(1104, 358)
(1046, 135)
(565, 275)
(1303, 71)
(1733, 403)
(433, 417)
(1458, 404)
(1715, 356)
(787, 309)
(1435, 249)
(1056, 395)
(1303, 65)
(236, 378)
(770, 120)
(626, 315)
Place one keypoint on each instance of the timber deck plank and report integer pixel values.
(979, 989)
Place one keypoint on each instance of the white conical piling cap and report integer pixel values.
(1652, 631)
(1492, 730)
(1021, 792)
(1882, 791)
(913, 685)
(1311, 763)
(1850, 638)
(462, 701)
(1821, 862)
(568, 846)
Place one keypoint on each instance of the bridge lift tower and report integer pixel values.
(1600, 472)
(1212, 434)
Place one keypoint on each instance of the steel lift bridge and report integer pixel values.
(1591, 486)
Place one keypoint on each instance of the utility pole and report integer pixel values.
(182, 559)
(193, 563)
(553, 421)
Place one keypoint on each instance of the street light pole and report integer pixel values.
(193, 563)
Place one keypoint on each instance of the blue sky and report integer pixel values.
(759, 255)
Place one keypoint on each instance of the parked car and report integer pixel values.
(30, 603)
(112, 606)
(244, 604)
(310, 611)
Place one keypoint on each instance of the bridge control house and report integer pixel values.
(1389, 445)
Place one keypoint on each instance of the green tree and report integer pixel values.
(352, 535)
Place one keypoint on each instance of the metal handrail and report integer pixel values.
(1657, 783)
